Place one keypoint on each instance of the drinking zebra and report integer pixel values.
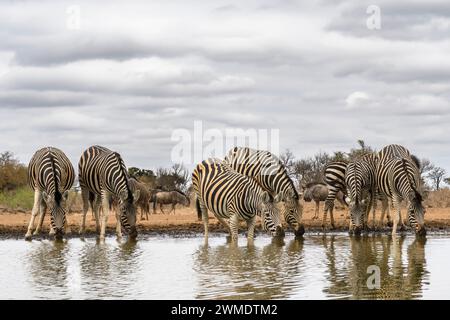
(334, 177)
(398, 177)
(231, 195)
(50, 175)
(102, 173)
(271, 174)
(361, 186)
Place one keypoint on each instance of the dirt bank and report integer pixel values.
(14, 224)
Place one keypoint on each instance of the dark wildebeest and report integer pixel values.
(170, 197)
(318, 192)
(144, 196)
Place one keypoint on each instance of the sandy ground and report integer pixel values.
(185, 221)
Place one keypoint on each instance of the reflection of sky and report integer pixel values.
(168, 268)
(438, 265)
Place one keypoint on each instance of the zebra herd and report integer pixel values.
(103, 178)
(246, 184)
(392, 175)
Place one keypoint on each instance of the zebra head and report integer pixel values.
(357, 212)
(293, 212)
(416, 213)
(56, 202)
(270, 215)
(127, 209)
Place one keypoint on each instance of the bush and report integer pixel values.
(438, 199)
(13, 174)
(22, 197)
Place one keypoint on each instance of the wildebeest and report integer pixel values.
(318, 192)
(144, 196)
(170, 197)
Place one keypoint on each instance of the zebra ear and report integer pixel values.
(123, 195)
(266, 197)
(136, 195)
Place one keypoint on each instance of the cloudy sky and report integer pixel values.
(128, 74)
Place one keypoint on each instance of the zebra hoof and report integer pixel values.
(36, 233)
(28, 237)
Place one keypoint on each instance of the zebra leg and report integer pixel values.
(118, 226)
(85, 198)
(96, 211)
(205, 219)
(332, 219)
(224, 223)
(104, 216)
(42, 209)
(397, 217)
(234, 227)
(251, 230)
(34, 213)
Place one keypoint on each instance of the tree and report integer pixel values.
(363, 149)
(13, 174)
(287, 159)
(437, 175)
(426, 166)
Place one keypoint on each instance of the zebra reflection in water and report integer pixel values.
(348, 274)
(230, 272)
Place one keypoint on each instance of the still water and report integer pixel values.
(317, 267)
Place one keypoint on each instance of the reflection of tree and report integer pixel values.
(230, 272)
(48, 266)
(107, 271)
(348, 275)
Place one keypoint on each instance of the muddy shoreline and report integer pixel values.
(13, 225)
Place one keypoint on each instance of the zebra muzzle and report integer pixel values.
(279, 232)
(300, 231)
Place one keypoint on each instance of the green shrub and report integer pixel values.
(20, 198)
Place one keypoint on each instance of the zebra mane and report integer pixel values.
(58, 195)
(418, 196)
(125, 175)
(416, 161)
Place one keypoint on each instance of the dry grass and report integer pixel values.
(438, 199)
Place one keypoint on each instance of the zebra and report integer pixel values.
(102, 174)
(398, 178)
(50, 176)
(360, 180)
(271, 174)
(231, 195)
(334, 177)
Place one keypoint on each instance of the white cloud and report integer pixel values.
(138, 70)
(357, 99)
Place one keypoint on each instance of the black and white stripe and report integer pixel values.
(334, 177)
(50, 175)
(398, 178)
(360, 180)
(271, 174)
(231, 195)
(103, 173)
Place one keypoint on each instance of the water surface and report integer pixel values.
(317, 267)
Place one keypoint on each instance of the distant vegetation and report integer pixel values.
(15, 193)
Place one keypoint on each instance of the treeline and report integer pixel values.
(311, 169)
(176, 177)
